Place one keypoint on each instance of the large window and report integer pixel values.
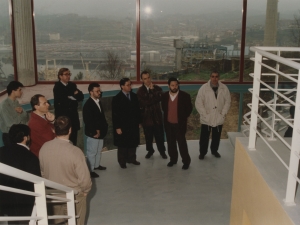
(6, 56)
(94, 39)
(188, 39)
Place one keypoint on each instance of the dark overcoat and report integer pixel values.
(65, 106)
(150, 105)
(21, 158)
(126, 115)
(94, 119)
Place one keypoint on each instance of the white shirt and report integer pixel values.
(97, 103)
(173, 96)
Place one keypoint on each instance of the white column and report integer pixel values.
(255, 102)
(295, 150)
(22, 17)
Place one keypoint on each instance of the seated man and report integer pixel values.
(64, 163)
(40, 123)
(17, 155)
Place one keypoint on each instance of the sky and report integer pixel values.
(121, 8)
(126, 8)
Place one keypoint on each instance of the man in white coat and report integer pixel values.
(212, 103)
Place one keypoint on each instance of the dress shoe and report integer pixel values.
(185, 166)
(136, 163)
(149, 154)
(94, 175)
(201, 157)
(123, 166)
(163, 155)
(170, 164)
(217, 155)
(100, 168)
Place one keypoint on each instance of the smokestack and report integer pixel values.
(270, 35)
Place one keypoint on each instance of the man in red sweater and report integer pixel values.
(40, 123)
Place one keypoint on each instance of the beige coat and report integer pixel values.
(65, 164)
(213, 110)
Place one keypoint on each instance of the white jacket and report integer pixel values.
(213, 110)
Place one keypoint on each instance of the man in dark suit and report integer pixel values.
(95, 128)
(126, 119)
(66, 98)
(177, 108)
(17, 155)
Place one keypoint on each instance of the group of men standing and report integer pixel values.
(53, 138)
(130, 111)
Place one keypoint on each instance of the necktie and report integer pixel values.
(128, 96)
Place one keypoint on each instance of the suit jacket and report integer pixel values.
(126, 115)
(94, 119)
(65, 106)
(21, 158)
(184, 108)
(150, 105)
(41, 131)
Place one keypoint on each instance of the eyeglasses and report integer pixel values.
(67, 74)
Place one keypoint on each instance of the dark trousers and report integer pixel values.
(156, 131)
(73, 136)
(204, 138)
(174, 134)
(126, 155)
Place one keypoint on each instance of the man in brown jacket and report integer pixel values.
(177, 107)
(64, 163)
(149, 96)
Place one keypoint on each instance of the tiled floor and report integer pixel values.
(153, 193)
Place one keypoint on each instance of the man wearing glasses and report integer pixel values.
(66, 98)
(95, 128)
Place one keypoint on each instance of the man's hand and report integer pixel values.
(75, 92)
(97, 135)
(19, 109)
(151, 86)
(119, 131)
(50, 116)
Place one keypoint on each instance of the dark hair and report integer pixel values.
(13, 86)
(61, 72)
(17, 132)
(92, 86)
(214, 71)
(144, 72)
(123, 81)
(62, 125)
(292, 111)
(172, 79)
(35, 101)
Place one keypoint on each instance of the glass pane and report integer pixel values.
(189, 39)
(6, 55)
(272, 23)
(94, 39)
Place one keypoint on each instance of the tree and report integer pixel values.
(295, 31)
(113, 67)
(79, 76)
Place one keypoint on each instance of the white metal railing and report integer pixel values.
(262, 55)
(39, 215)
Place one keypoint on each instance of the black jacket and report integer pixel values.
(65, 106)
(94, 119)
(19, 157)
(126, 115)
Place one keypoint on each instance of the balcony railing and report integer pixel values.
(42, 197)
(269, 61)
